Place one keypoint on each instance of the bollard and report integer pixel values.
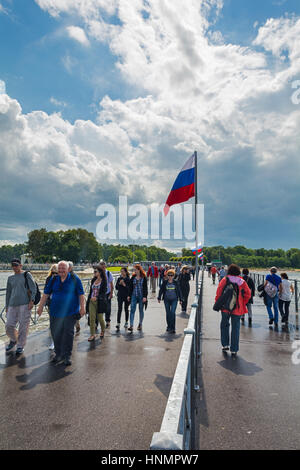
(296, 296)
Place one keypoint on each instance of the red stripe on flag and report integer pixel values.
(179, 195)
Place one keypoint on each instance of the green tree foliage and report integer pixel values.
(140, 255)
(254, 258)
(8, 252)
(77, 245)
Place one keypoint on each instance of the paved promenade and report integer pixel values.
(251, 402)
(112, 397)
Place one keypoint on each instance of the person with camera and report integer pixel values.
(96, 304)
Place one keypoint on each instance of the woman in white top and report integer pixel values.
(286, 289)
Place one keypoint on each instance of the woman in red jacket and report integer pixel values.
(244, 295)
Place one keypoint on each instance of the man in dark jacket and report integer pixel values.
(251, 286)
(122, 287)
(184, 282)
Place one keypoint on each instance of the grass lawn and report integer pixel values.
(114, 269)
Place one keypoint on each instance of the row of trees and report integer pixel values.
(8, 252)
(79, 245)
(254, 258)
(116, 253)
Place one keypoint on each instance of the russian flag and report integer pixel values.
(184, 186)
(198, 251)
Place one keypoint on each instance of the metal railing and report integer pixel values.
(261, 278)
(178, 425)
(41, 267)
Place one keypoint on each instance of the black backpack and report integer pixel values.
(228, 300)
(38, 294)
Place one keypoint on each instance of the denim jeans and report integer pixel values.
(134, 301)
(272, 301)
(62, 332)
(235, 331)
(249, 307)
(170, 306)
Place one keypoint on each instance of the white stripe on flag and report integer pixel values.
(189, 164)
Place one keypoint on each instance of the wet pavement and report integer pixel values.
(252, 401)
(112, 397)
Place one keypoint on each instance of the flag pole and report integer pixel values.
(196, 220)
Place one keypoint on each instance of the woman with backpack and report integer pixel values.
(271, 287)
(122, 287)
(96, 304)
(232, 297)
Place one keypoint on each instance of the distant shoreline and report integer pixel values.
(279, 269)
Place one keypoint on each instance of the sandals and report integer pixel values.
(102, 334)
(92, 338)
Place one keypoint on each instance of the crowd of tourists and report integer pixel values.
(65, 300)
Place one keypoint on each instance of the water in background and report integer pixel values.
(293, 275)
(39, 277)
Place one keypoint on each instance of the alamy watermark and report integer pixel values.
(142, 222)
(295, 98)
(296, 354)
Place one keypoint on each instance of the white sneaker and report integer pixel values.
(51, 347)
(126, 325)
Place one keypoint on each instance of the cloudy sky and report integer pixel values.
(104, 98)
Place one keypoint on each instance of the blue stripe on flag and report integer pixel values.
(185, 178)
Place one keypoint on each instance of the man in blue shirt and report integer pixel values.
(67, 306)
(275, 280)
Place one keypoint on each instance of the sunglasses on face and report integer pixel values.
(170, 275)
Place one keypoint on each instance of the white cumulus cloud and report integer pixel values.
(78, 34)
(194, 91)
(2, 87)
